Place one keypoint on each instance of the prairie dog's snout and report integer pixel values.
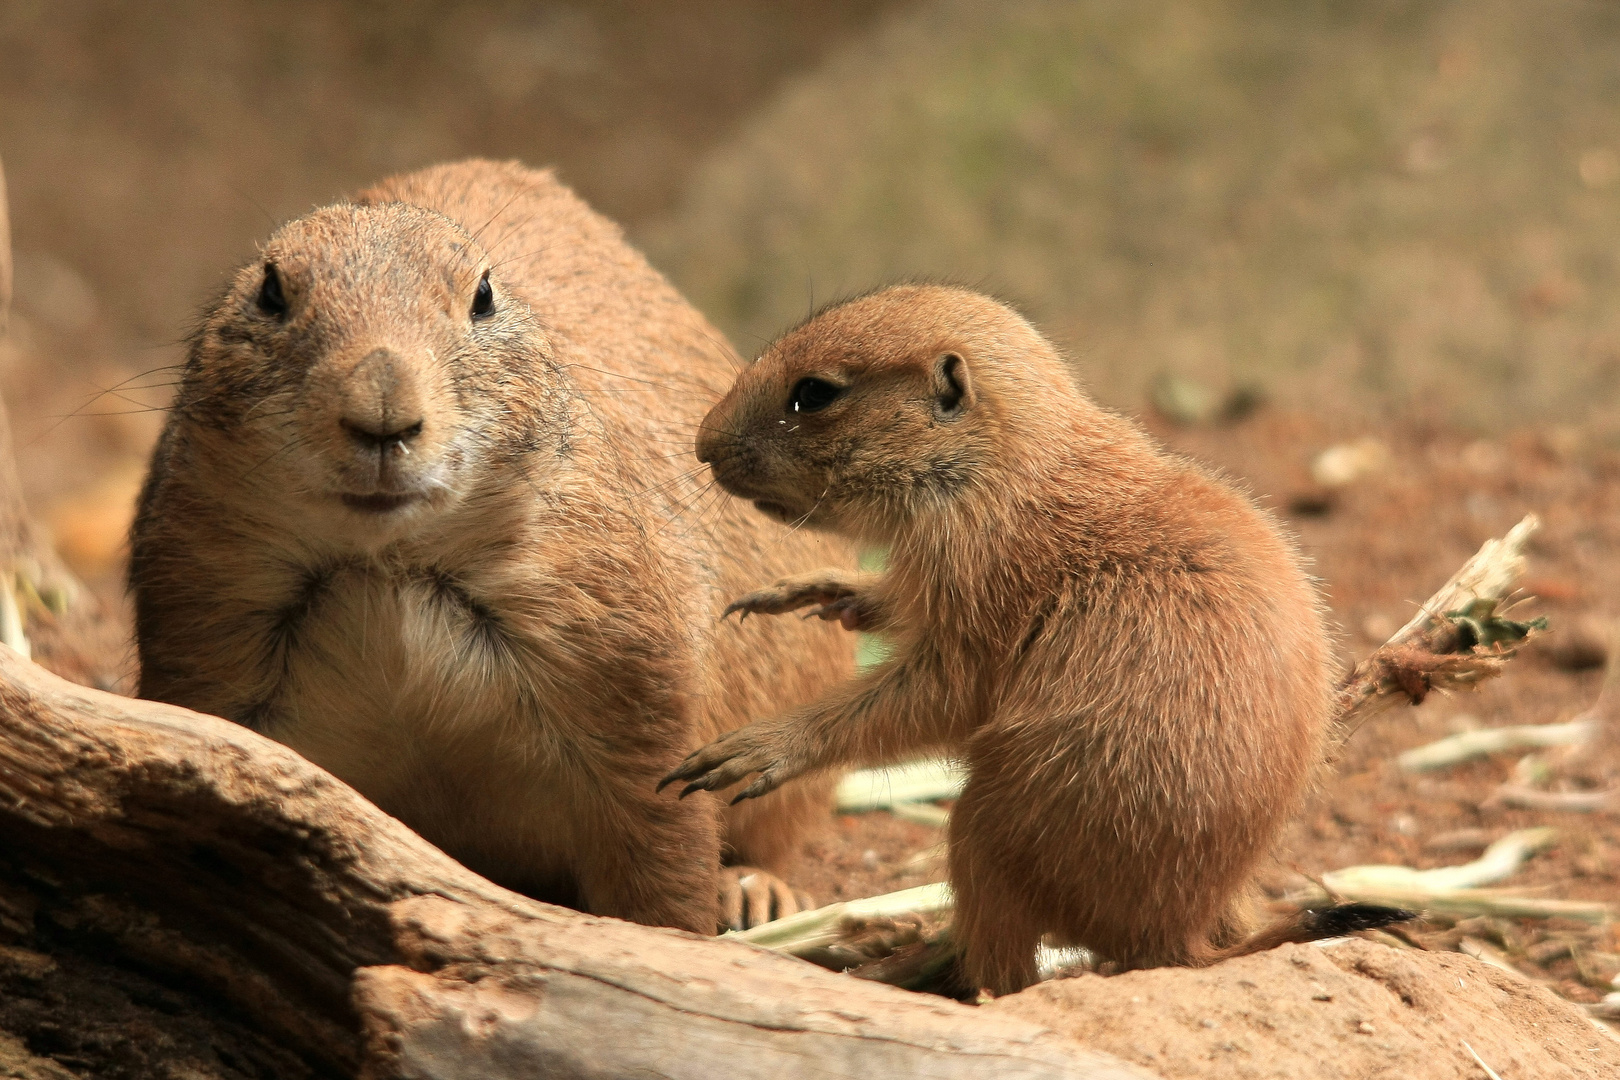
(382, 408)
(380, 424)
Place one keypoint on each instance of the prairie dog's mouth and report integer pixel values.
(777, 510)
(379, 503)
(744, 486)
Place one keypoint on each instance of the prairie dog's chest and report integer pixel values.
(370, 666)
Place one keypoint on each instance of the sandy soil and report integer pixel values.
(1354, 1011)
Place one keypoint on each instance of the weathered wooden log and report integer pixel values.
(184, 865)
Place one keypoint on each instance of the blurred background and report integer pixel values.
(1384, 209)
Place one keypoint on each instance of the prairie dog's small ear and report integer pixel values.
(953, 387)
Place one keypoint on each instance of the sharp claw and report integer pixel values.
(683, 771)
(696, 785)
(763, 786)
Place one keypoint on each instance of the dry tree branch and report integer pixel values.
(1456, 640)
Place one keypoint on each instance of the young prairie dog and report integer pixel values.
(424, 512)
(1127, 654)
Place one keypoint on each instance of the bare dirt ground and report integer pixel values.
(1353, 1011)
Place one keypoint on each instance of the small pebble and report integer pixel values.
(1338, 466)
(1364, 1028)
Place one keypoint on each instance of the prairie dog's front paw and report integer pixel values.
(731, 757)
(831, 595)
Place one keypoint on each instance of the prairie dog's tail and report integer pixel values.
(1314, 924)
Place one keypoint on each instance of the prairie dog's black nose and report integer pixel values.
(380, 440)
(382, 406)
(712, 443)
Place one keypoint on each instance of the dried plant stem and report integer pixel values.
(1455, 890)
(1529, 798)
(811, 930)
(915, 782)
(1456, 749)
(1490, 575)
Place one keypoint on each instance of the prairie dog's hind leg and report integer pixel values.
(833, 594)
(763, 842)
(655, 861)
(995, 925)
(751, 897)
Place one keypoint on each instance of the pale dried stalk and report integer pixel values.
(1498, 862)
(1529, 798)
(1456, 749)
(1455, 890)
(1490, 1073)
(915, 782)
(1490, 575)
(811, 930)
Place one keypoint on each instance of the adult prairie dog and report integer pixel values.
(424, 512)
(1127, 653)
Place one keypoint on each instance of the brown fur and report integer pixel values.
(465, 563)
(1127, 654)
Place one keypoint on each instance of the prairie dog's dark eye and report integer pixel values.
(271, 300)
(813, 395)
(483, 305)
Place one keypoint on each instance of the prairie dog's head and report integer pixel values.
(883, 410)
(362, 376)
